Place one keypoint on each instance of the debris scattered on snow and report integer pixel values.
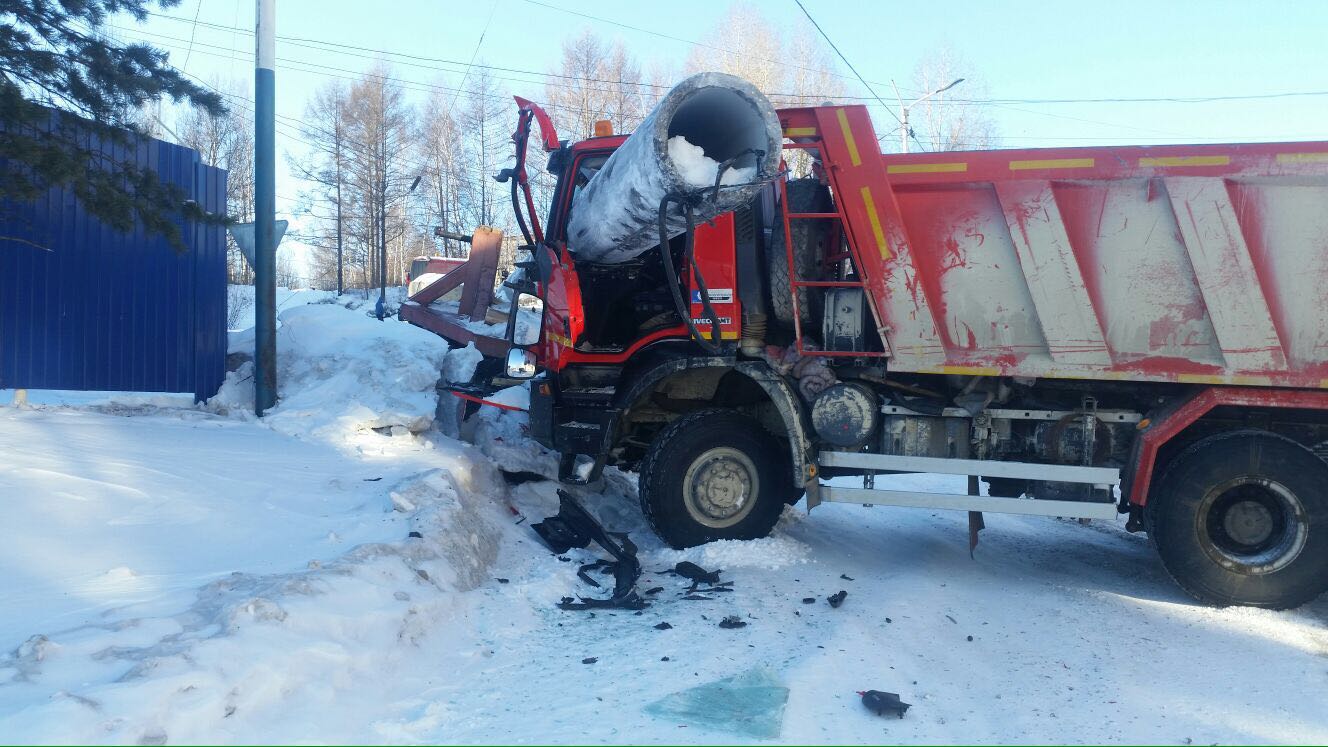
(882, 703)
(663, 626)
(574, 527)
(731, 622)
(837, 599)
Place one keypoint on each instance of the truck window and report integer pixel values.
(586, 169)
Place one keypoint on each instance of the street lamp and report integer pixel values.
(905, 131)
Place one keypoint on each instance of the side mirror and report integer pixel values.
(520, 363)
(529, 320)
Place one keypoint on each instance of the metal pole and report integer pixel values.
(265, 209)
(903, 137)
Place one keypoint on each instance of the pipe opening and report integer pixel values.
(723, 123)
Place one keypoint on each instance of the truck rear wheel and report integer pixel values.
(1242, 518)
(714, 474)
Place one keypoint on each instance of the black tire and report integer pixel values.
(715, 446)
(1241, 518)
(809, 236)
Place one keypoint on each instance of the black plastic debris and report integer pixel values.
(837, 598)
(520, 477)
(654, 590)
(663, 658)
(573, 527)
(696, 574)
(731, 622)
(846, 577)
(504, 580)
(416, 535)
(663, 626)
(590, 660)
(882, 703)
(809, 600)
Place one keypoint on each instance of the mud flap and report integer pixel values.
(975, 521)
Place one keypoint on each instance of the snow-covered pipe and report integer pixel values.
(704, 121)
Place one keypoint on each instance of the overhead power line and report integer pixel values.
(864, 82)
(305, 42)
(692, 42)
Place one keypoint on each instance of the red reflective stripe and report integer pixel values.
(499, 405)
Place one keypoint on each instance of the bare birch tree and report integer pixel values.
(227, 141)
(941, 122)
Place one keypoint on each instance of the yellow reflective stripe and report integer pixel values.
(1302, 157)
(852, 144)
(1053, 163)
(800, 132)
(925, 168)
(875, 219)
(724, 334)
(1186, 161)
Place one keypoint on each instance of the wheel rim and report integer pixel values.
(1252, 525)
(720, 487)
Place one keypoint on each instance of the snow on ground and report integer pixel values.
(181, 574)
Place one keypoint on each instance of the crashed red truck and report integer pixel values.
(1089, 331)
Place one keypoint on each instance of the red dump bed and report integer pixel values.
(1203, 263)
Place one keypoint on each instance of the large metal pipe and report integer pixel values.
(614, 218)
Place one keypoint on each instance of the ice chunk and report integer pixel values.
(698, 169)
(750, 704)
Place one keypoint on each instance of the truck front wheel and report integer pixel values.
(714, 474)
(1242, 518)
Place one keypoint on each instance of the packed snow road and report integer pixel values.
(342, 572)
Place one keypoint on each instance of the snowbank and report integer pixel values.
(339, 371)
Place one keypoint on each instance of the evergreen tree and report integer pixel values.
(52, 55)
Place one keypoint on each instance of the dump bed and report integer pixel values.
(1203, 264)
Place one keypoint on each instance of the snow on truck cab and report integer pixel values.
(1088, 331)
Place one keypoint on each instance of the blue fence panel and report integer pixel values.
(83, 306)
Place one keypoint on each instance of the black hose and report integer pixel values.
(671, 273)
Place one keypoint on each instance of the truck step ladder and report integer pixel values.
(796, 282)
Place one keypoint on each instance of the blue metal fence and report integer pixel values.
(85, 307)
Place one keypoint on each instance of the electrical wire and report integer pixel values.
(864, 82)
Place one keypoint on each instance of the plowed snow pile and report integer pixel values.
(341, 572)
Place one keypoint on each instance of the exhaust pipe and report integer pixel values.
(707, 120)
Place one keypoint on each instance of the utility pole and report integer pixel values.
(265, 208)
(906, 132)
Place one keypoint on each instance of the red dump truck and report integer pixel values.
(1089, 332)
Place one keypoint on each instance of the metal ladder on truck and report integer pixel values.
(868, 218)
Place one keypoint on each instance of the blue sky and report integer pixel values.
(1022, 50)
